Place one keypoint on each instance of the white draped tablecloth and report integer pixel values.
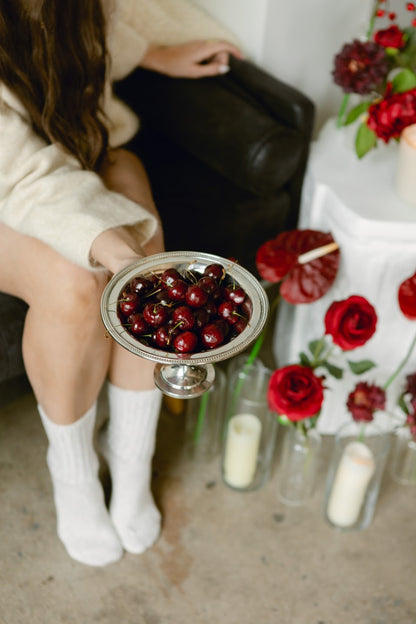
(356, 201)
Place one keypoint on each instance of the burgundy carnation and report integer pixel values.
(350, 322)
(364, 400)
(296, 392)
(391, 37)
(391, 115)
(360, 67)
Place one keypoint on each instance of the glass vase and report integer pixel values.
(355, 474)
(403, 457)
(203, 420)
(250, 428)
(299, 463)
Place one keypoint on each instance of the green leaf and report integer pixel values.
(283, 420)
(356, 112)
(404, 80)
(365, 140)
(361, 367)
(316, 347)
(402, 404)
(304, 360)
(335, 371)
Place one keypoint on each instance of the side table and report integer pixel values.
(356, 201)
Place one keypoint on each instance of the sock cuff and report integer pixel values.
(133, 421)
(71, 455)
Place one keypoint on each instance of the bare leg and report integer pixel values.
(125, 173)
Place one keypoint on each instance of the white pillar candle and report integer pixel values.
(406, 165)
(355, 469)
(241, 450)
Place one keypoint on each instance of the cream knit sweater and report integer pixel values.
(44, 193)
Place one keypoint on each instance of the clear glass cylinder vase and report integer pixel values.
(403, 457)
(355, 474)
(297, 471)
(250, 428)
(203, 420)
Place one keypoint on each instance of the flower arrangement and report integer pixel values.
(381, 70)
(295, 392)
(366, 398)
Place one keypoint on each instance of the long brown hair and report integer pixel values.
(53, 57)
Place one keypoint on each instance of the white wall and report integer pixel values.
(296, 39)
(245, 18)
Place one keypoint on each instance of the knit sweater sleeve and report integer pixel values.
(45, 193)
(136, 24)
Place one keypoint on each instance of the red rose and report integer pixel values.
(365, 400)
(391, 37)
(350, 322)
(296, 392)
(388, 117)
(407, 297)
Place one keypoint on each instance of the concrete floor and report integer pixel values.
(223, 557)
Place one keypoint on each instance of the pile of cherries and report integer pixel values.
(184, 312)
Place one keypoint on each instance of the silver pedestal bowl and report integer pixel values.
(184, 375)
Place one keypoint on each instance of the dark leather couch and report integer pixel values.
(226, 158)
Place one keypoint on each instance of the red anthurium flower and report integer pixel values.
(285, 258)
(407, 297)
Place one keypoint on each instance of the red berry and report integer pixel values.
(141, 285)
(380, 13)
(414, 23)
(177, 290)
(208, 284)
(137, 324)
(155, 314)
(169, 276)
(183, 317)
(216, 271)
(228, 311)
(195, 296)
(185, 342)
(392, 16)
(212, 335)
(162, 337)
(234, 293)
(129, 303)
(410, 6)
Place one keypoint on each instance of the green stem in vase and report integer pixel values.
(342, 109)
(402, 364)
(201, 416)
(362, 433)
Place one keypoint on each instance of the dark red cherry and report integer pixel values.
(208, 284)
(155, 314)
(240, 324)
(195, 296)
(183, 317)
(129, 303)
(201, 317)
(141, 285)
(211, 307)
(185, 342)
(212, 336)
(234, 293)
(177, 290)
(162, 337)
(169, 276)
(216, 271)
(137, 324)
(228, 311)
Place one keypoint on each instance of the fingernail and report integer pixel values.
(223, 69)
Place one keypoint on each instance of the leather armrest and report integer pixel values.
(225, 124)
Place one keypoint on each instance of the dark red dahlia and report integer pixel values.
(360, 67)
(364, 400)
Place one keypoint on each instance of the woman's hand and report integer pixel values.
(116, 248)
(195, 59)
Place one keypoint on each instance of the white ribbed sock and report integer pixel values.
(83, 522)
(128, 445)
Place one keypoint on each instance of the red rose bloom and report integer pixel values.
(407, 297)
(365, 400)
(296, 392)
(391, 37)
(350, 322)
(388, 117)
